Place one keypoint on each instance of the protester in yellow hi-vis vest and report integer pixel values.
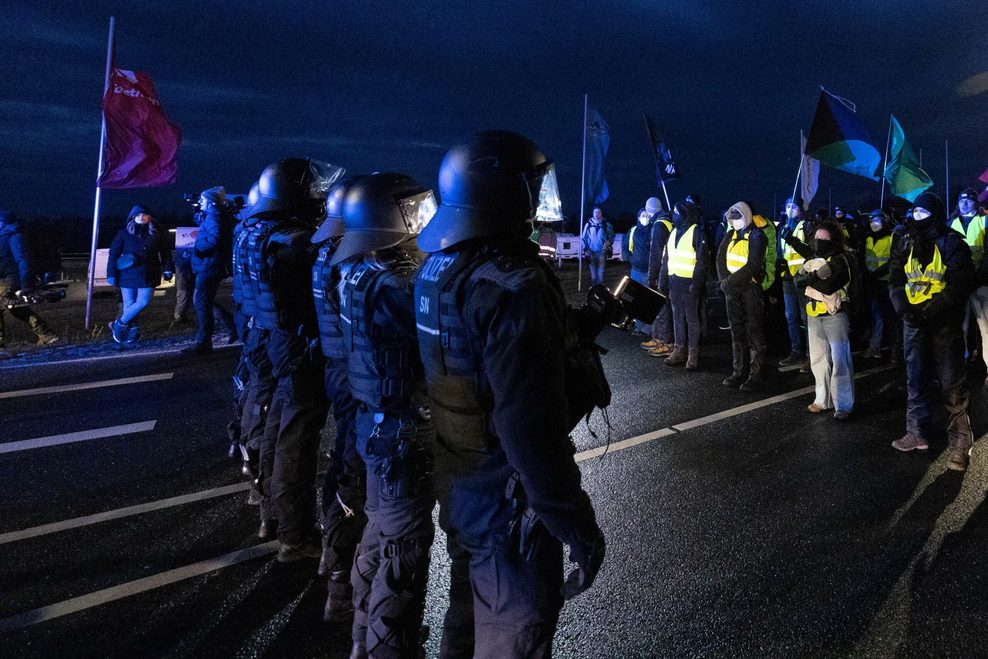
(682, 278)
(825, 280)
(740, 269)
(971, 224)
(930, 279)
(661, 223)
(877, 250)
(793, 235)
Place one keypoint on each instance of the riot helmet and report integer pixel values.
(332, 226)
(294, 184)
(490, 185)
(383, 210)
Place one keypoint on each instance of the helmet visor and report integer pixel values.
(417, 210)
(550, 205)
(324, 175)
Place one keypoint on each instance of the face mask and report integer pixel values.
(876, 226)
(739, 225)
(824, 246)
(677, 218)
(643, 219)
(792, 213)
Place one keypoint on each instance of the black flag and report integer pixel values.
(665, 166)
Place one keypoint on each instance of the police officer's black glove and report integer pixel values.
(588, 561)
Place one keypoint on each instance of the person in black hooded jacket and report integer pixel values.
(682, 278)
(931, 276)
(138, 258)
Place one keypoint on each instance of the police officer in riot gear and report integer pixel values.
(291, 194)
(382, 214)
(492, 325)
(343, 489)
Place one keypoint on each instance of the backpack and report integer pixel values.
(770, 252)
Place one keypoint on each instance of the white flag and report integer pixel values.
(809, 174)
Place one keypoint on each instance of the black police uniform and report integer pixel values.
(284, 319)
(394, 438)
(343, 490)
(489, 319)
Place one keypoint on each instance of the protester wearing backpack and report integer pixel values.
(825, 280)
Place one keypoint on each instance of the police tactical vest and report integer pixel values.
(272, 308)
(383, 364)
(682, 254)
(923, 283)
(325, 295)
(460, 400)
(244, 290)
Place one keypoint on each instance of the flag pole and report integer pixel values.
(99, 172)
(799, 169)
(583, 193)
(885, 163)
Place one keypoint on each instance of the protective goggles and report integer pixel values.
(417, 209)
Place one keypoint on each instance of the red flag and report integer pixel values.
(141, 144)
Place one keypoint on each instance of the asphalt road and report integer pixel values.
(737, 524)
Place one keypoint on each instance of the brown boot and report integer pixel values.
(693, 360)
(677, 357)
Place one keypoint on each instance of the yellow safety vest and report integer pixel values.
(682, 260)
(631, 238)
(922, 285)
(737, 252)
(818, 308)
(877, 254)
(974, 236)
(791, 256)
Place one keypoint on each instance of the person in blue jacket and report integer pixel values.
(139, 256)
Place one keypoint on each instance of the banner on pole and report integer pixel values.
(906, 178)
(809, 172)
(598, 140)
(665, 166)
(840, 140)
(141, 144)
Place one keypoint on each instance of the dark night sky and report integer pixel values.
(375, 86)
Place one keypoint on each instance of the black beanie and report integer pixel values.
(932, 203)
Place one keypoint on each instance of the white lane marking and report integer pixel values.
(81, 436)
(54, 361)
(710, 418)
(85, 385)
(140, 509)
(135, 587)
(623, 444)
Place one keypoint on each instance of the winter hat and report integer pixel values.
(795, 200)
(968, 193)
(878, 212)
(932, 203)
(216, 196)
(653, 205)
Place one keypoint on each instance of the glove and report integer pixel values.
(588, 561)
(112, 281)
(169, 275)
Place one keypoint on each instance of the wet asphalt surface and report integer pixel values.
(769, 533)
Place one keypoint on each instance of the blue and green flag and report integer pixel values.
(906, 178)
(838, 139)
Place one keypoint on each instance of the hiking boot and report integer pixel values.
(958, 460)
(197, 349)
(751, 384)
(339, 599)
(872, 353)
(909, 442)
(661, 351)
(677, 357)
(693, 359)
(793, 359)
(734, 379)
(48, 339)
(813, 408)
(308, 548)
(650, 344)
